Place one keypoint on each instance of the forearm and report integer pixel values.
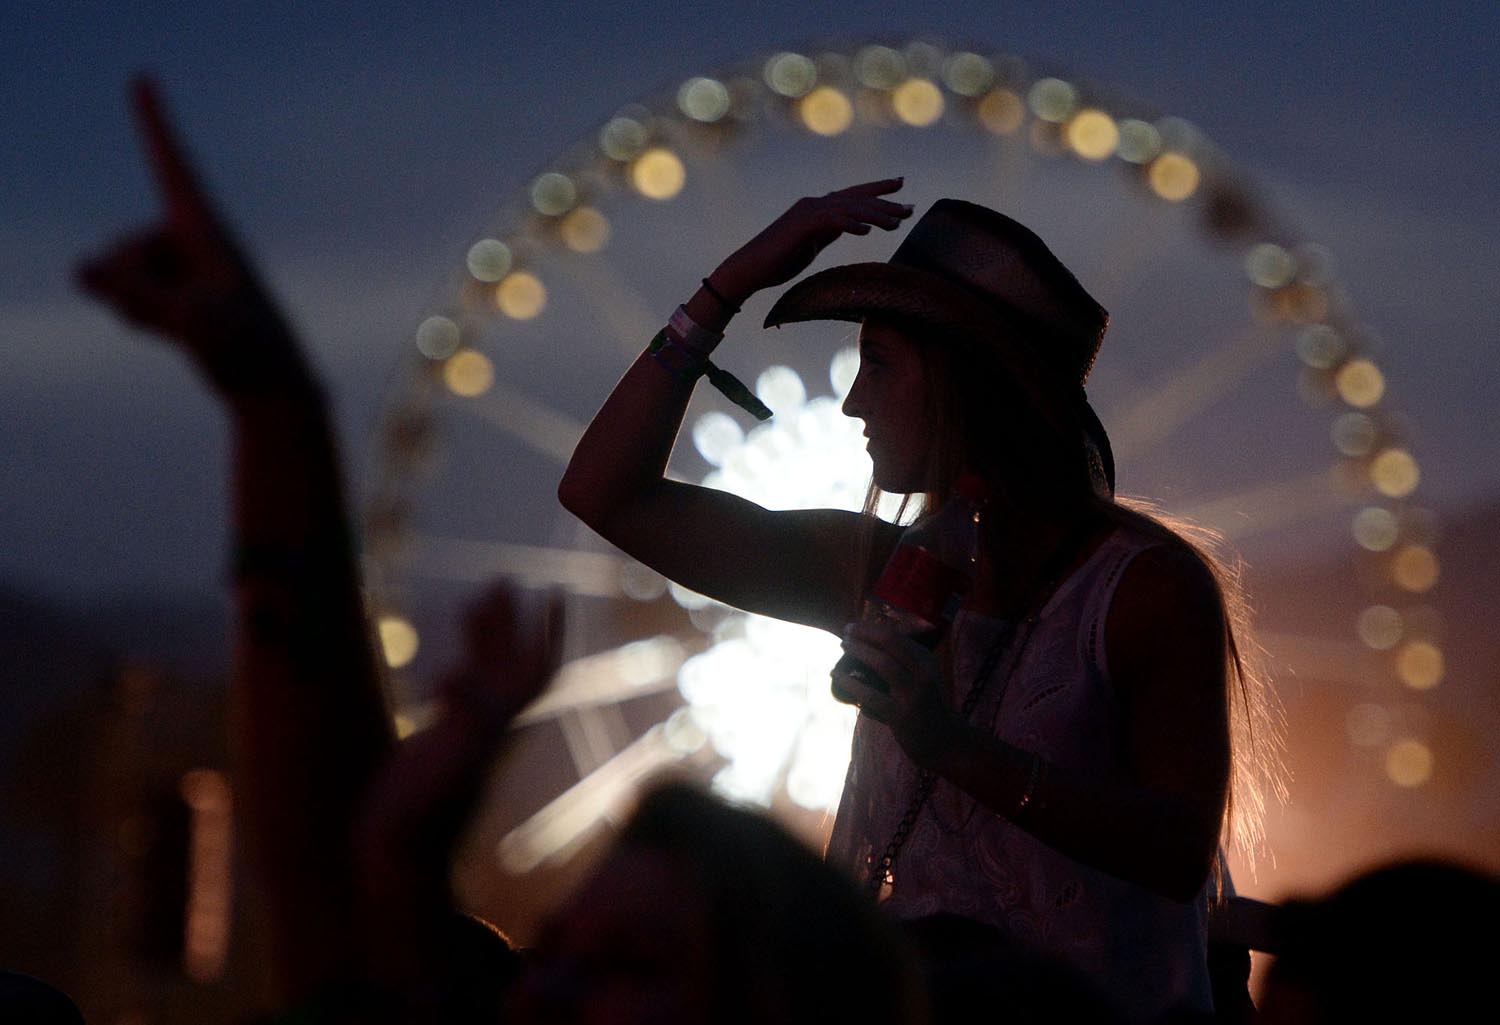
(627, 445)
(1155, 839)
(310, 726)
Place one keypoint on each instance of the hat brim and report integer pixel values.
(857, 291)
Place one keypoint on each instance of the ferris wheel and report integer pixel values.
(1237, 384)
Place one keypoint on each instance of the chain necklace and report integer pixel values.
(1051, 577)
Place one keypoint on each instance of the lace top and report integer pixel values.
(1145, 952)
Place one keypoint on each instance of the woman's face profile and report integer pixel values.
(890, 395)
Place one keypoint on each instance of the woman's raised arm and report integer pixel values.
(801, 566)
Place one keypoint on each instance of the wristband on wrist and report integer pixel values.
(697, 340)
(688, 366)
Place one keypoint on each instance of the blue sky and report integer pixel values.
(361, 148)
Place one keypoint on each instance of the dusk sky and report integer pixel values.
(360, 149)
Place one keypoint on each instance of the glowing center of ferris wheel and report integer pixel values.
(760, 692)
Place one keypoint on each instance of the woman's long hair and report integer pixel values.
(986, 420)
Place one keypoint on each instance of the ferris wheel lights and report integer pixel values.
(1140, 142)
(826, 111)
(716, 435)
(917, 102)
(879, 67)
(1173, 176)
(1380, 627)
(968, 74)
(468, 373)
(658, 173)
(622, 139)
(1355, 435)
(1269, 265)
(1395, 473)
(1409, 763)
(489, 260)
(703, 99)
(1093, 134)
(1052, 99)
(521, 295)
(842, 370)
(585, 230)
(398, 640)
(437, 337)
(1420, 665)
(790, 74)
(553, 194)
(1001, 111)
(1360, 383)
(1375, 529)
(1321, 347)
(1415, 568)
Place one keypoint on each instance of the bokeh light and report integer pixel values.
(1409, 763)
(1355, 435)
(623, 139)
(1360, 383)
(1093, 134)
(879, 67)
(521, 296)
(716, 435)
(489, 260)
(703, 99)
(1052, 99)
(1395, 473)
(1415, 568)
(437, 337)
(1140, 142)
(1320, 346)
(968, 74)
(842, 370)
(1380, 627)
(826, 111)
(585, 230)
(658, 173)
(1420, 665)
(781, 388)
(1269, 265)
(1173, 176)
(791, 74)
(398, 640)
(918, 102)
(553, 194)
(468, 373)
(1376, 529)
(1001, 111)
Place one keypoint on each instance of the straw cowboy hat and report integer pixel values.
(980, 278)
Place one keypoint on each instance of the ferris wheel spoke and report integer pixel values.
(528, 420)
(632, 670)
(1155, 413)
(630, 318)
(562, 824)
(596, 574)
(1272, 506)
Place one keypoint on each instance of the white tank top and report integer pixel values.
(1144, 952)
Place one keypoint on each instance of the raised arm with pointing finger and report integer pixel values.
(802, 566)
(308, 722)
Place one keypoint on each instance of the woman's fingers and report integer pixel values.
(168, 162)
(882, 187)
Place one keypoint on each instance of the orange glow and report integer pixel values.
(585, 230)
(658, 174)
(1001, 111)
(468, 374)
(521, 296)
(1395, 473)
(826, 111)
(1415, 568)
(1093, 135)
(1420, 665)
(1173, 176)
(1360, 383)
(917, 102)
(1409, 763)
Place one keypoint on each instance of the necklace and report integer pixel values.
(1051, 578)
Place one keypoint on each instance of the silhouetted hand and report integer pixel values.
(185, 278)
(913, 705)
(791, 242)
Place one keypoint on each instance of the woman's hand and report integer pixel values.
(913, 706)
(185, 278)
(792, 241)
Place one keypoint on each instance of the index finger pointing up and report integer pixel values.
(169, 164)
